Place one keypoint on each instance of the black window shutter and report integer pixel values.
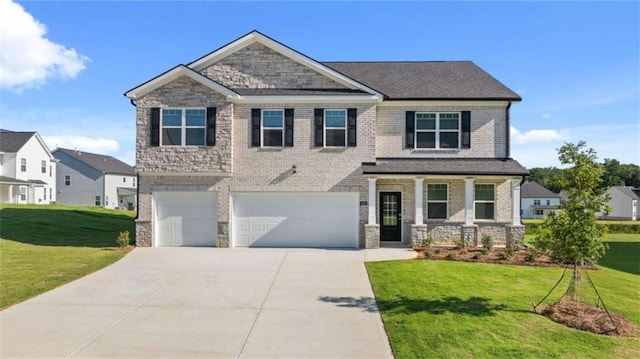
(410, 128)
(466, 129)
(352, 113)
(319, 126)
(155, 126)
(288, 127)
(211, 126)
(255, 127)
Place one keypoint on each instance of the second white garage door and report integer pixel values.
(295, 219)
(185, 218)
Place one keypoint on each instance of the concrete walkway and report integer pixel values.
(208, 302)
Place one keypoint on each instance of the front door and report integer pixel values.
(390, 216)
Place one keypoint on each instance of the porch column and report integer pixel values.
(372, 201)
(515, 204)
(468, 201)
(419, 194)
(10, 193)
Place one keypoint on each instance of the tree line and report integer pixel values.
(614, 174)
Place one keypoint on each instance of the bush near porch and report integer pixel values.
(531, 226)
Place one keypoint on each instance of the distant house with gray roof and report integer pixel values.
(624, 203)
(89, 179)
(27, 169)
(538, 201)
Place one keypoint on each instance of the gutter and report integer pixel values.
(508, 132)
(133, 102)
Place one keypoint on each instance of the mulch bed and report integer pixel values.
(587, 318)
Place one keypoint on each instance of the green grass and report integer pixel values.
(441, 309)
(601, 221)
(43, 247)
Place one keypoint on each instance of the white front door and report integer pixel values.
(292, 219)
(185, 219)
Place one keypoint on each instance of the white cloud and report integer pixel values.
(82, 143)
(27, 57)
(546, 115)
(536, 135)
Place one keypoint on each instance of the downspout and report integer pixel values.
(508, 132)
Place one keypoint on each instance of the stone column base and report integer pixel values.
(223, 234)
(515, 236)
(469, 235)
(143, 233)
(418, 232)
(371, 236)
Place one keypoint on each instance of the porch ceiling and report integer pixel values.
(445, 166)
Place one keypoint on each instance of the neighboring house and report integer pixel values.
(89, 179)
(538, 201)
(256, 144)
(624, 203)
(27, 169)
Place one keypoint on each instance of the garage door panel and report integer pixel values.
(295, 219)
(185, 218)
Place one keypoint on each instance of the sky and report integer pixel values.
(65, 65)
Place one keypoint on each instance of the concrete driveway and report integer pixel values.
(208, 302)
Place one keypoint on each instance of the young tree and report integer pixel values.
(573, 236)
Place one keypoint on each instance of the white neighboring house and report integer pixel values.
(537, 201)
(89, 179)
(27, 169)
(624, 203)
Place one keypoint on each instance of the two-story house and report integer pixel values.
(256, 144)
(91, 179)
(27, 169)
(538, 201)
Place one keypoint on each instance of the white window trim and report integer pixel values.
(262, 128)
(438, 201)
(65, 180)
(23, 165)
(436, 130)
(536, 202)
(97, 200)
(22, 192)
(325, 127)
(183, 126)
(43, 167)
(484, 201)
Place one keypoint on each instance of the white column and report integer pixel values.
(372, 200)
(419, 194)
(515, 204)
(10, 193)
(468, 201)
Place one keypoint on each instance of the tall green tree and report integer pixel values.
(573, 236)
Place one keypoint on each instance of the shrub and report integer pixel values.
(452, 256)
(530, 256)
(484, 251)
(506, 255)
(477, 255)
(123, 239)
(487, 241)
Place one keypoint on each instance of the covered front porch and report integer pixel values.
(13, 190)
(449, 200)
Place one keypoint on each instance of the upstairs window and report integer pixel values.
(67, 180)
(484, 204)
(183, 127)
(536, 202)
(272, 128)
(437, 130)
(43, 167)
(23, 165)
(335, 128)
(437, 196)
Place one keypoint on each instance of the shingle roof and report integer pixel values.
(11, 141)
(286, 92)
(534, 190)
(5, 179)
(433, 80)
(633, 193)
(446, 166)
(105, 164)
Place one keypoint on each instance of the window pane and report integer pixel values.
(449, 124)
(195, 117)
(437, 192)
(437, 210)
(272, 119)
(335, 118)
(425, 121)
(195, 136)
(484, 192)
(171, 137)
(484, 210)
(171, 117)
(449, 139)
(272, 138)
(426, 140)
(335, 138)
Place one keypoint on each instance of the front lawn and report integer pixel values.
(442, 309)
(43, 247)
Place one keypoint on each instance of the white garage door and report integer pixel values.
(295, 219)
(185, 218)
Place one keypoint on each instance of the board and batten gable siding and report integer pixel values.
(86, 183)
(488, 132)
(257, 66)
(33, 151)
(184, 93)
